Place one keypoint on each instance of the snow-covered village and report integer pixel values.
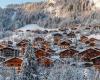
(50, 40)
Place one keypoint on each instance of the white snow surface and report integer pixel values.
(96, 36)
(34, 27)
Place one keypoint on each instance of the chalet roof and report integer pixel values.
(92, 39)
(39, 53)
(11, 59)
(38, 38)
(57, 34)
(84, 37)
(97, 57)
(69, 52)
(46, 61)
(50, 50)
(8, 48)
(22, 42)
(64, 43)
(42, 53)
(90, 53)
(71, 34)
(28, 30)
(20, 31)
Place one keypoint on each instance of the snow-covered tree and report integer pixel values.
(29, 71)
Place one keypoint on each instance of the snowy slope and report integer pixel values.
(27, 27)
(34, 27)
(96, 36)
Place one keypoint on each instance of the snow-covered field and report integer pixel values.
(27, 27)
(96, 36)
(34, 27)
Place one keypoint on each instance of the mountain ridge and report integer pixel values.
(47, 14)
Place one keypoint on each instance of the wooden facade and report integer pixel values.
(46, 62)
(96, 62)
(39, 39)
(84, 39)
(39, 53)
(14, 63)
(57, 38)
(68, 53)
(22, 46)
(64, 44)
(88, 54)
(71, 35)
(9, 52)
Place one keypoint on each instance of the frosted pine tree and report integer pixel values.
(30, 71)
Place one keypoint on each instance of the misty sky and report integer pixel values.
(4, 3)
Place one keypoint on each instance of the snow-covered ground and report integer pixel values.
(23, 34)
(96, 36)
(34, 27)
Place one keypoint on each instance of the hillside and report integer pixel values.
(51, 14)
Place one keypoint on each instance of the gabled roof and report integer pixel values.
(8, 48)
(22, 42)
(11, 59)
(69, 53)
(64, 43)
(97, 57)
(90, 53)
(57, 34)
(38, 38)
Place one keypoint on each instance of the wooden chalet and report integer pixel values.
(88, 54)
(92, 44)
(46, 62)
(97, 28)
(49, 50)
(87, 64)
(9, 52)
(64, 44)
(2, 58)
(45, 32)
(2, 46)
(28, 31)
(39, 53)
(67, 53)
(92, 39)
(22, 46)
(46, 44)
(14, 62)
(87, 42)
(96, 62)
(39, 40)
(10, 44)
(71, 35)
(83, 39)
(22, 43)
(57, 38)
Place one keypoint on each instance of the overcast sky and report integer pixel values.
(4, 3)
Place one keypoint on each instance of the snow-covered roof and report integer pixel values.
(96, 36)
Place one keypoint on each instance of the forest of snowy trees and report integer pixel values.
(45, 14)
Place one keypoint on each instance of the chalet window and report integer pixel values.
(70, 7)
(12, 64)
(19, 65)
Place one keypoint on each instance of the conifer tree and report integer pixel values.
(30, 71)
